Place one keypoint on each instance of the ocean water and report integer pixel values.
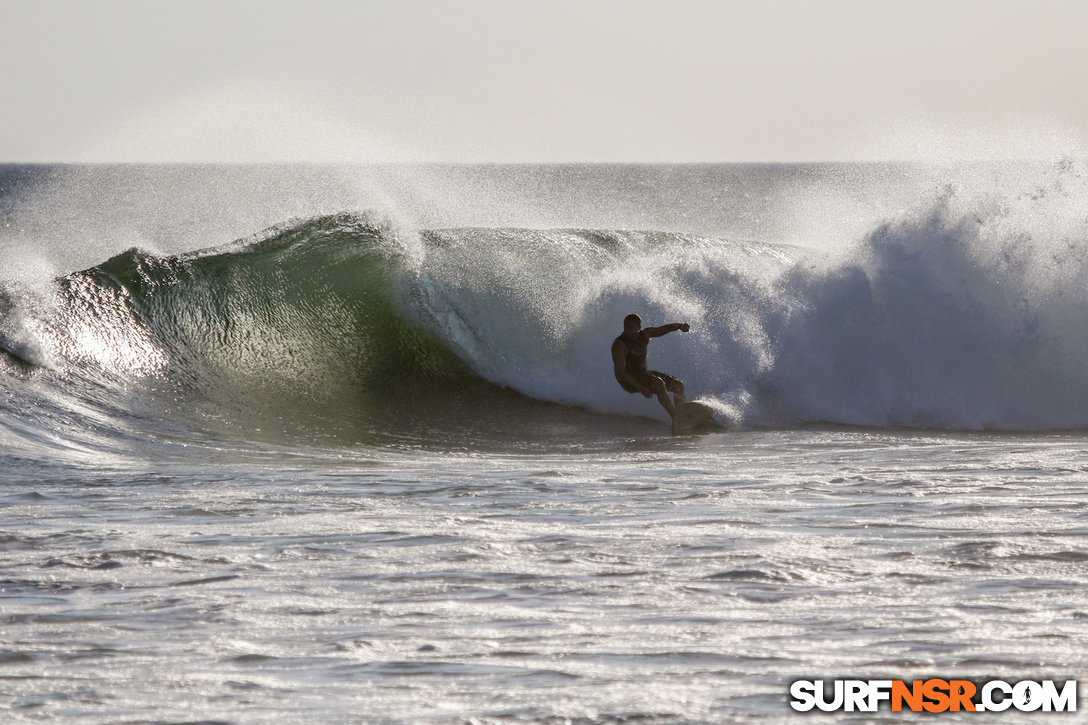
(289, 444)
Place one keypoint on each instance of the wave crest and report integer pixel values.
(969, 311)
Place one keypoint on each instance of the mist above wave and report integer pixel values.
(965, 311)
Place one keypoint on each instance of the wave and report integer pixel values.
(969, 311)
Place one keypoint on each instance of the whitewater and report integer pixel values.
(343, 444)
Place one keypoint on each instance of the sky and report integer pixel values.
(541, 81)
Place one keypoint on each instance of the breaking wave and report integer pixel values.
(969, 311)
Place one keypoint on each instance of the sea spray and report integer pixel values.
(969, 311)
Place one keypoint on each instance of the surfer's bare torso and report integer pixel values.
(629, 363)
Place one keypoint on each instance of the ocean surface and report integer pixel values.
(315, 444)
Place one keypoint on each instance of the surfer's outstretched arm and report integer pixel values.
(666, 329)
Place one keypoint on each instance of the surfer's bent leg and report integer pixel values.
(673, 385)
(660, 388)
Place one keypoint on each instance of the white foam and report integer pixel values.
(968, 311)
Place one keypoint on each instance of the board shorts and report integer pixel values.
(646, 377)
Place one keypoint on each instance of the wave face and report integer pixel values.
(296, 326)
(969, 311)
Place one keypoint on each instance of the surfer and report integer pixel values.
(629, 359)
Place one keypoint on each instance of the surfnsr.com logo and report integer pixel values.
(934, 695)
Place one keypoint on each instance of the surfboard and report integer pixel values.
(692, 418)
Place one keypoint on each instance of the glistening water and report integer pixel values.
(368, 463)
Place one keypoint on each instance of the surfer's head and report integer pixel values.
(632, 324)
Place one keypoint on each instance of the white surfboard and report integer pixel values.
(693, 418)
